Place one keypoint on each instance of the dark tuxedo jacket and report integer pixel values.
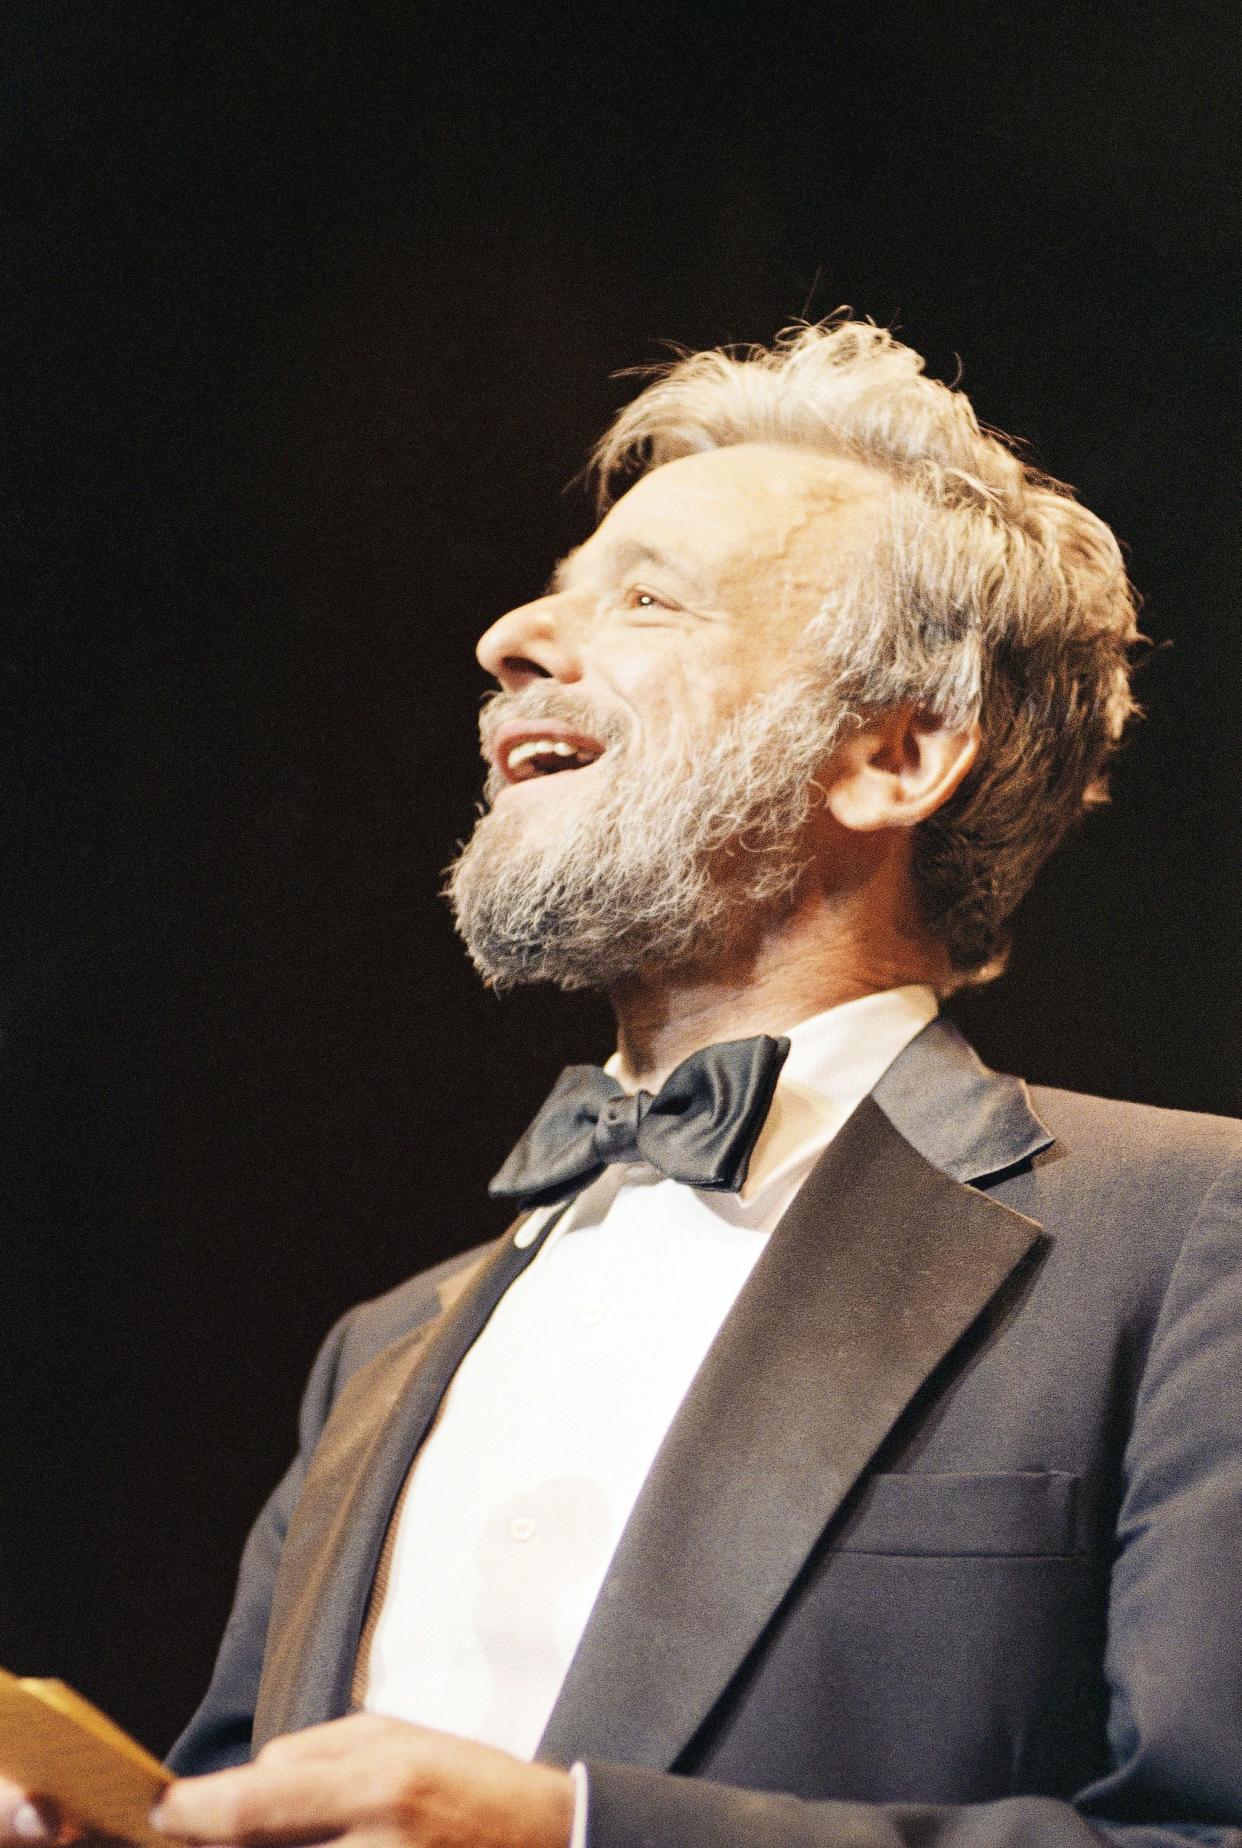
(944, 1545)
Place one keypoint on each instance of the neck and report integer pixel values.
(817, 958)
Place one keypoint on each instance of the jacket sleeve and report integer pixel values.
(1173, 1660)
(219, 1733)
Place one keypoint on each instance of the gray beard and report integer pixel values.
(671, 865)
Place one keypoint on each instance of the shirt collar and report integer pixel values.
(835, 1059)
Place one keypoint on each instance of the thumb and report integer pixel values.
(25, 1820)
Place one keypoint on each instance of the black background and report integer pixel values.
(311, 312)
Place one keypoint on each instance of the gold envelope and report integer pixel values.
(55, 1744)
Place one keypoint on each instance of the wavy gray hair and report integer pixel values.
(994, 596)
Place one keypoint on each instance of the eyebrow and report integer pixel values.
(624, 556)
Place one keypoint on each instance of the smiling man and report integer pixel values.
(845, 1445)
(677, 669)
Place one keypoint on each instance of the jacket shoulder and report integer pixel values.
(1121, 1134)
(1128, 1185)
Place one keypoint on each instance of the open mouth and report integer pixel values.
(523, 751)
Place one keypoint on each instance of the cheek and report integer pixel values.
(679, 698)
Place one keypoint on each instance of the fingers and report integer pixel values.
(14, 1804)
(300, 1789)
(30, 1821)
(23, 1820)
(372, 1782)
(295, 1799)
(334, 1739)
(306, 1787)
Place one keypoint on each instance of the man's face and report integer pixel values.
(660, 719)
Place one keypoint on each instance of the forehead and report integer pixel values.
(744, 506)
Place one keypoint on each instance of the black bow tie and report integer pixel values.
(700, 1126)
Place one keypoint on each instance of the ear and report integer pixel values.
(897, 769)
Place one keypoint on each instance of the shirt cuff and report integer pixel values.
(578, 1834)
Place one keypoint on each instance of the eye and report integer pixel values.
(638, 597)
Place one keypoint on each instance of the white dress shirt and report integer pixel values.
(519, 1494)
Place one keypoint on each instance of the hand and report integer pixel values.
(19, 1820)
(30, 1824)
(372, 1782)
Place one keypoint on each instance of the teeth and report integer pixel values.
(539, 747)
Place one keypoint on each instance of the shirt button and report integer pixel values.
(591, 1315)
(522, 1528)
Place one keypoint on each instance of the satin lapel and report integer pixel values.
(878, 1268)
(972, 1122)
(328, 1560)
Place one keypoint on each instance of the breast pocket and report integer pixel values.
(1027, 1514)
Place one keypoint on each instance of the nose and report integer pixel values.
(533, 642)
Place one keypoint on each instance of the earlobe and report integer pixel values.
(898, 769)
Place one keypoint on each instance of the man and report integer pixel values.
(846, 1444)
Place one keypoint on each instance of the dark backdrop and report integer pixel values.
(311, 311)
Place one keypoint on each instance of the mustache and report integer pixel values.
(541, 701)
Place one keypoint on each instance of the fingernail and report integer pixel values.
(27, 1822)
